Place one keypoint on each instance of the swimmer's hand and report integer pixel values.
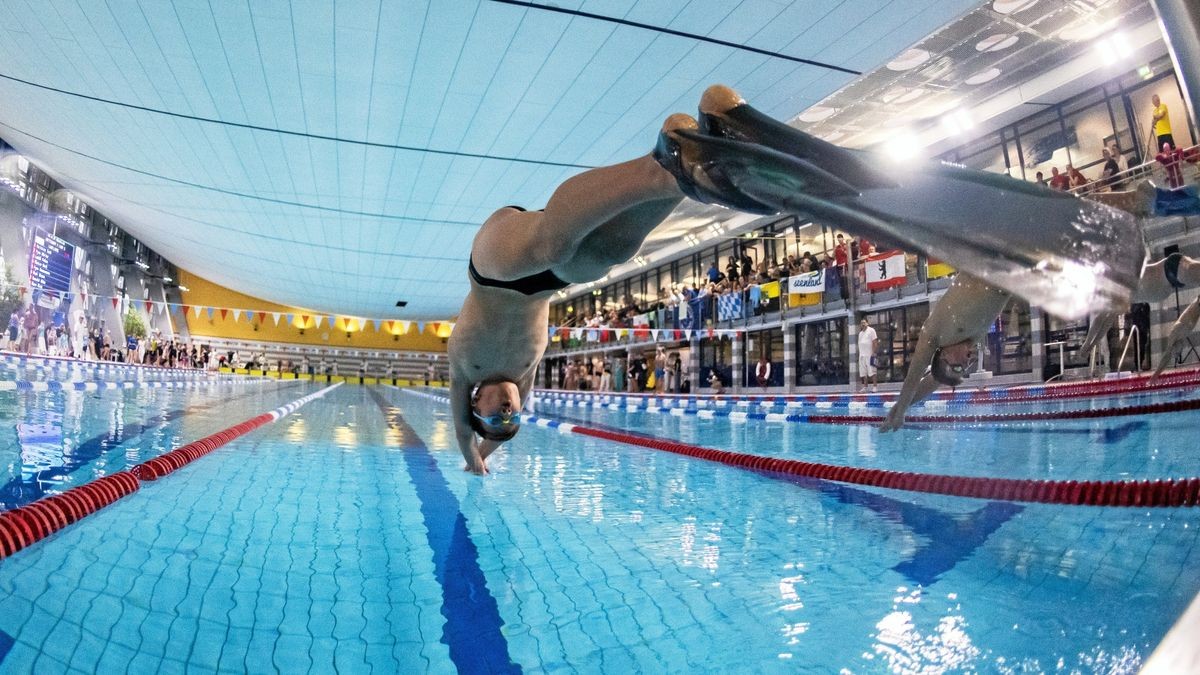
(477, 467)
(894, 419)
(476, 460)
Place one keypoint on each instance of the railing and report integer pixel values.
(1150, 168)
(705, 313)
(1137, 348)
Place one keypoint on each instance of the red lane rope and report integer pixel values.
(1144, 409)
(25, 525)
(1178, 492)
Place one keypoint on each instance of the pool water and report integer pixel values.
(346, 536)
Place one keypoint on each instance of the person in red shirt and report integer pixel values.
(1171, 159)
(1058, 181)
(840, 254)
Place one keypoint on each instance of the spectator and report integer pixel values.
(1162, 123)
(1111, 169)
(1039, 178)
(731, 268)
(762, 373)
(840, 254)
(868, 346)
(713, 273)
(714, 381)
(660, 368)
(1058, 181)
(1172, 160)
(1075, 177)
(13, 327)
(747, 265)
(430, 373)
(30, 322)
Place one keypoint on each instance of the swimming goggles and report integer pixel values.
(510, 420)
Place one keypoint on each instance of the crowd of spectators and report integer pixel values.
(663, 373)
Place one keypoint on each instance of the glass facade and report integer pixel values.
(716, 356)
(822, 353)
(898, 330)
(767, 343)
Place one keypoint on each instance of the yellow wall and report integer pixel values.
(205, 293)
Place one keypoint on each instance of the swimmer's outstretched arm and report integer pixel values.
(1183, 327)
(917, 384)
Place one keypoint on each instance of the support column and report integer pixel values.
(789, 357)
(739, 358)
(1179, 21)
(852, 350)
(694, 361)
(1037, 340)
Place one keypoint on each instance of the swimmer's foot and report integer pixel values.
(700, 163)
(725, 114)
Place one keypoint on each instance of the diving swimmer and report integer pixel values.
(593, 221)
(946, 347)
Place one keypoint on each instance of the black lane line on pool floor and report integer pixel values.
(944, 538)
(473, 622)
(20, 491)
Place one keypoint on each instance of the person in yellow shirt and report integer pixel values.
(1162, 123)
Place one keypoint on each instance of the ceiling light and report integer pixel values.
(996, 43)
(908, 60)
(168, 279)
(1010, 6)
(183, 288)
(983, 76)
(1085, 29)
(1145, 72)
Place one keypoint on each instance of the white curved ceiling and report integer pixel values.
(341, 157)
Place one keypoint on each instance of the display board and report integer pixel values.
(50, 260)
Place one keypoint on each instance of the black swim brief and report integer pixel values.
(530, 285)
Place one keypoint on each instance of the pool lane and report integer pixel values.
(473, 623)
(300, 547)
(63, 439)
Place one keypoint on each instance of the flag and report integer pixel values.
(404, 326)
(236, 313)
(331, 322)
(275, 315)
(317, 321)
(729, 306)
(197, 308)
(377, 322)
(262, 317)
(114, 300)
(210, 312)
(806, 289)
(185, 309)
(224, 313)
(288, 318)
(936, 269)
(420, 327)
(771, 289)
(885, 270)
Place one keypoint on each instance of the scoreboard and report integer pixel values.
(50, 263)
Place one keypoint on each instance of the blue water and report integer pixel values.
(346, 536)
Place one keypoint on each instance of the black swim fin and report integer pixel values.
(715, 170)
(743, 123)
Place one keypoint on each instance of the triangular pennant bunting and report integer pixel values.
(420, 327)
(275, 315)
(377, 322)
(114, 302)
(224, 313)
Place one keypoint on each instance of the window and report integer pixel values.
(822, 355)
(1009, 342)
(767, 343)
(716, 355)
(898, 331)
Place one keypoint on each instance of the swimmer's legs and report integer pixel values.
(619, 204)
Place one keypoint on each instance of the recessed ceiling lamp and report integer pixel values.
(1010, 6)
(958, 122)
(983, 76)
(1113, 48)
(816, 113)
(908, 60)
(996, 43)
(833, 137)
(902, 146)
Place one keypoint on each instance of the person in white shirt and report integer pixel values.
(868, 344)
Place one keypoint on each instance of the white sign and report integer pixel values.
(809, 282)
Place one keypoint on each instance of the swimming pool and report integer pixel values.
(346, 536)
